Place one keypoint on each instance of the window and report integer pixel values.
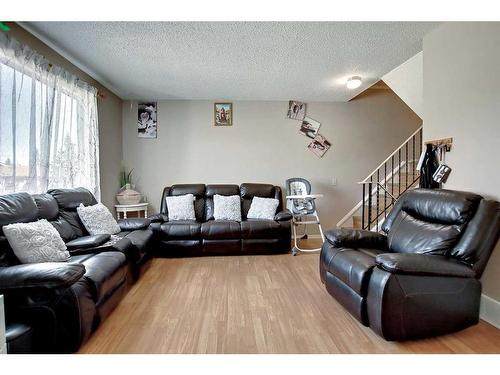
(48, 125)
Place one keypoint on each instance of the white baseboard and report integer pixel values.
(490, 310)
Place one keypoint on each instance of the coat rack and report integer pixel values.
(446, 142)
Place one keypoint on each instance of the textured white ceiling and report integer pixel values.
(307, 61)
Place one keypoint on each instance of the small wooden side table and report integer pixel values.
(124, 208)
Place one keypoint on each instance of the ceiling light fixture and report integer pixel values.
(354, 82)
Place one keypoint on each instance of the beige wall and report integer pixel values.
(264, 146)
(406, 80)
(109, 111)
(462, 100)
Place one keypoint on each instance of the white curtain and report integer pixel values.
(48, 124)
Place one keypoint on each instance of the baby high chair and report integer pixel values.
(302, 205)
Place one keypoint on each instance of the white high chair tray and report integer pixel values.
(313, 196)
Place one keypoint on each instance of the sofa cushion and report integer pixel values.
(68, 200)
(47, 206)
(36, 242)
(181, 207)
(97, 219)
(411, 235)
(140, 239)
(74, 222)
(260, 229)
(263, 208)
(64, 229)
(248, 191)
(105, 271)
(17, 208)
(80, 258)
(227, 207)
(351, 266)
(212, 190)
(198, 190)
(220, 230)
(176, 230)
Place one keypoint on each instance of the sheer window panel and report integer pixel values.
(48, 125)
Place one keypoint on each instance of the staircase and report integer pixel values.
(381, 189)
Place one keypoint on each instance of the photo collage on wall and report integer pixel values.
(308, 127)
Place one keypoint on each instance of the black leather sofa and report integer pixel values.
(63, 303)
(209, 236)
(419, 278)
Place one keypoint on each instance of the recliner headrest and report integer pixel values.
(17, 208)
(198, 190)
(70, 199)
(222, 190)
(440, 205)
(248, 191)
(47, 206)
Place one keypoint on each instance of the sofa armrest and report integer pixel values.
(355, 238)
(134, 224)
(86, 242)
(40, 275)
(421, 264)
(284, 215)
(158, 218)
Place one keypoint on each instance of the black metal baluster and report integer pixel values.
(413, 161)
(399, 172)
(363, 209)
(392, 179)
(369, 204)
(378, 195)
(385, 185)
(406, 158)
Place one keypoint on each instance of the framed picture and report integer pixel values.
(296, 110)
(146, 119)
(223, 114)
(309, 127)
(319, 145)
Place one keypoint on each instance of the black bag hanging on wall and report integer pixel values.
(429, 166)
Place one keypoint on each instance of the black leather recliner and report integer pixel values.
(209, 236)
(64, 303)
(420, 278)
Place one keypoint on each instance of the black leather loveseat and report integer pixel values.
(419, 278)
(209, 236)
(63, 303)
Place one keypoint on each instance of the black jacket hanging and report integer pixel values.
(429, 165)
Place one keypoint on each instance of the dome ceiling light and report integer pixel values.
(354, 82)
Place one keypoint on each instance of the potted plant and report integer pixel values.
(127, 195)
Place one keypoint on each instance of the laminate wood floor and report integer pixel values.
(251, 304)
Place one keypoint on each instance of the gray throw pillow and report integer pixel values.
(263, 208)
(227, 207)
(181, 207)
(36, 242)
(97, 219)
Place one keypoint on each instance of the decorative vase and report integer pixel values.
(128, 196)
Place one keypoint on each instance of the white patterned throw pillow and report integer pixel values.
(97, 219)
(36, 242)
(263, 208)
(181, 207)
(227, 207)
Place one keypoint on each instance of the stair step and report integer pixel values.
(356, 222)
